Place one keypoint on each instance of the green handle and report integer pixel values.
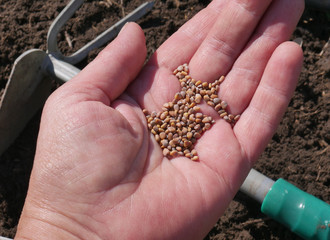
(304, 214)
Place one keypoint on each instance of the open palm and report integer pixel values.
(99, 173)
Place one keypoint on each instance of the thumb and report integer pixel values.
(105, 78)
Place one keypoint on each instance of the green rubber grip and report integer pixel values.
(304, 214)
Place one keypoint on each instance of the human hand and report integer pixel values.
(98, 172)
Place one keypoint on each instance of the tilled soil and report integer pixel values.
(299, 151)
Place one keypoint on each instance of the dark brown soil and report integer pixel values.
(298, 152)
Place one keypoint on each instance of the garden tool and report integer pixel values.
(29, 84)
(302, 213)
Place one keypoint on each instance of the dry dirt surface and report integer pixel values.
(299, 151)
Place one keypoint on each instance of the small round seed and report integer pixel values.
(174, 153)
(171, 129)
(157, 138)
(162, 135)
(178, 96)
(195, 158)
(164, 143)
(187, 144)
(166, 152)
(198, 83)
(210, 103)
(224, 104)
(217, 107)
(198, 98)
(237, 117)
(222, 115)
(206, 120)
(216, 100)
(189, 135)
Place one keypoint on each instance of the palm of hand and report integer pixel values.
(105, 169)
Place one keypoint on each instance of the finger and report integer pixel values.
(233, 27)
(182, 45)
(115, 67)
(275, 28)
(155, 85)
(261, 118)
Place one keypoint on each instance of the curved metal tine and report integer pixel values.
(102, 39)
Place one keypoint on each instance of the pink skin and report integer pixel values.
(98, 172)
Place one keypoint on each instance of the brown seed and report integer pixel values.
(153, 132)
(210, 103)
(222, 115)
(174, 153)
(197, 127)
(187, 144)
(156, 128)
(194, 152)
(195, 158)
(157, 138)
(180, 75)
(202, 92)
(164, 143)
(224, 104)
(192, 105)
(213, 90)
(198, 98)
(179, 149)
(162, 135)
(192, 117)
(198, 83)
(189, 135)
(172, 143)
(199, 115)
(178, 96)
(205, 84)
(163, 115)
(221, 79)
(216, 100)
(196, 109)
(164, 126)
(217, 107)
(206, 98)
(207, 126)
(197, 135)
(237, 117)
(206, 120)
(166, 152)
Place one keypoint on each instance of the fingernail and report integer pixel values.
(123, 28)
(299, 41)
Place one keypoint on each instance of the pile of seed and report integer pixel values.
(180, 123)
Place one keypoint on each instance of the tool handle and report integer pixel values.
(304, 214)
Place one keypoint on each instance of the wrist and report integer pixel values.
(41, 222)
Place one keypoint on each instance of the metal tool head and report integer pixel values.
(25, 93)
